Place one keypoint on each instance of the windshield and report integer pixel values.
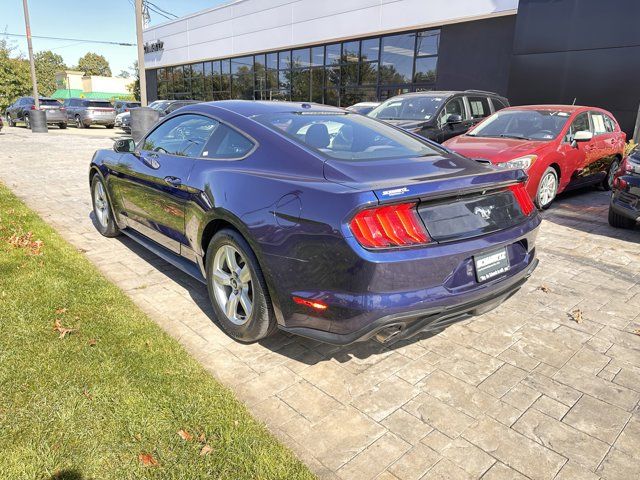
(347, 136)
(408, 108)
(523, 124)
(47, 101)
(98, 104)
(159, 105)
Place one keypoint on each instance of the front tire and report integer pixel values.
(547, 189)
(607, 183)
(62, 126)
(10, 121)
(237, 289)
(102, 211)
(618, 221)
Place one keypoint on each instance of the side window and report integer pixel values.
(581, 123)
(227, 143)
(479, 107)
(599, 126)
(497, 104)
(610, 124)
(454, 106)
(184, 136)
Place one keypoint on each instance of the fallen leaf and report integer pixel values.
(63, 331)
(86, 393)
(206, 450)
(577, 315)
(138, 437)
(147, 460)
(637, 332)
(186, 436)
(60, 311)
(235, 423)
(92, 342)
(544, 288)
(202, 438)
(26, 242)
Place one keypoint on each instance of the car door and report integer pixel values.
(479, 108)
(446, 130)
(606, 145)
(577, 155)
(153, 181)
(11, 110)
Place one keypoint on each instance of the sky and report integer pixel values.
(110, 20)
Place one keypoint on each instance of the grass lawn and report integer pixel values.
(107, 400)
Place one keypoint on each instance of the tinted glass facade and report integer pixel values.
(338, 74)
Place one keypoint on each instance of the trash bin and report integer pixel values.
(38, 121)
(142, 119)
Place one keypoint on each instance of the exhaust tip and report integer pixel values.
(386, 334)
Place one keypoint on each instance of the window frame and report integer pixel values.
(255, 143)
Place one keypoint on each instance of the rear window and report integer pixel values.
(50, 102)
(347, 136)
(132, 104)
(98, 104)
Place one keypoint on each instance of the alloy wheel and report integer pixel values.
(612, 172)
(547, 190)
(101, 205)
(233, 284)
(27, 122)
(78, 122)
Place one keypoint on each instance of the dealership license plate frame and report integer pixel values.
(491, 265)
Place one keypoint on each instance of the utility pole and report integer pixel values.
(36, 98)
(141, 72)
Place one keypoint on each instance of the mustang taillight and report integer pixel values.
(523, 198)
(389, 226)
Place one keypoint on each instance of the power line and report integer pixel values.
(161, 9)
(123, 44)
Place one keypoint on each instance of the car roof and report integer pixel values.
(249, 108)
(557, 108)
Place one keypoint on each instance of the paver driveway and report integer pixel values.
(523, 391)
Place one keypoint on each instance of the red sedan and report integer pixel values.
(559, 146)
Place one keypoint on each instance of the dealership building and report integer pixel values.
(344, 52)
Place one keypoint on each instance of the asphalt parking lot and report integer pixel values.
(525, 391)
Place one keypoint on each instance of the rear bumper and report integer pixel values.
(56, 117)
(99, 120)
(627, 203)
(405, 325)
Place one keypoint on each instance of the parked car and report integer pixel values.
(439, 116)
(1, 124)
(165, 107)
(121, 106)
(19, 111)
(624, 209)
(84, 112)
(560, 146)
(369, 231)
(363, 107)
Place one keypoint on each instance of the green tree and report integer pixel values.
(94, 64)
(134, 87)
(47, 65)
(124, 74)
(15, 78)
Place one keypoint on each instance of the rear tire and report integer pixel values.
(27, 122)
(618, 221)
(102, 210)
(607, 183)
(237, 289)
(109, 126)
(62, 126)
(547, 189)
(79, 123)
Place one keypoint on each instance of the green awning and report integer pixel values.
(76, 93)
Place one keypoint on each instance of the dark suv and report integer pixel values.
(624, 209)
(84, 112)
(439, 116)
(19, 111)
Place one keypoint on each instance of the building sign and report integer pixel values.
(156, 46)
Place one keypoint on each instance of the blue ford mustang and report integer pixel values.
(317, 221)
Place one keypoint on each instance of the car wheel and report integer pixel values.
(618, 221)
(79, 123)
(237, 288)
(547, 189)
(27, 122)
(102, 209)
(62, 126)
(10, 121)
(607, 183)
(109, 126)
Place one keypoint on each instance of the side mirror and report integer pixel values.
(126, 145)
(454, 119)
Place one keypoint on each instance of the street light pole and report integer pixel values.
(36, 98)
(141, 72)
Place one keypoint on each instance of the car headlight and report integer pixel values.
(521, 162)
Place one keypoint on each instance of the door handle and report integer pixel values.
(174, 181)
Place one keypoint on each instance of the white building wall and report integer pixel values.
(249, 26)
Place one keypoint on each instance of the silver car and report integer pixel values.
(20, 110)
(84, 113)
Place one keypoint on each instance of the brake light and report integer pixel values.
(315, 304)
(33, 107)
(523, 198)
(62, 109)
(389, 226)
